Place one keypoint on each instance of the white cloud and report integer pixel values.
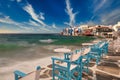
(54, 26)
(30, 26)
(7, 20)
(38, 20)
(111, 17)
(18, 1)
(33, 23)
(41, 16)
(40, 27)
(104, 14)
(69, 11)
(91, 23)
(29, 9)
(37, 27)
(99, 5)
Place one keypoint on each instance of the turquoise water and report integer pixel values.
(35, 38)
(13, 44)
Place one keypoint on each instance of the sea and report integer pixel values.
(21, 51)
(22, 47)
(30, 38)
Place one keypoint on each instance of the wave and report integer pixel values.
(47, 41)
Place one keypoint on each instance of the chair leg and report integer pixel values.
(87, 68)
(69, 76)
(53, 76)
(53, 70)
(16, 77)
(97, 61)
(80, 75)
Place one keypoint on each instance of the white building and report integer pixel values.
(116, 27)
(83, 27)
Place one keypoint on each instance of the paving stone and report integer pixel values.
(103, 76)
(109, 67)
(44, 76)
(49, 66)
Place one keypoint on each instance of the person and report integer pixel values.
(71, 31)
(79, 30)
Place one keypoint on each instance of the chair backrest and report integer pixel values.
(86, 51)
(101, 45)
(75, 56)
(33, 75)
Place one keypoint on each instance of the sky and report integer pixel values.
(51, 16)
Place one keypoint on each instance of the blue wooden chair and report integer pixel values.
(67, 68)
(105, 48)
(97, 51)
(31, 76)
(85, 55)
(86, 58)
(68, 55)
(75, 63)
